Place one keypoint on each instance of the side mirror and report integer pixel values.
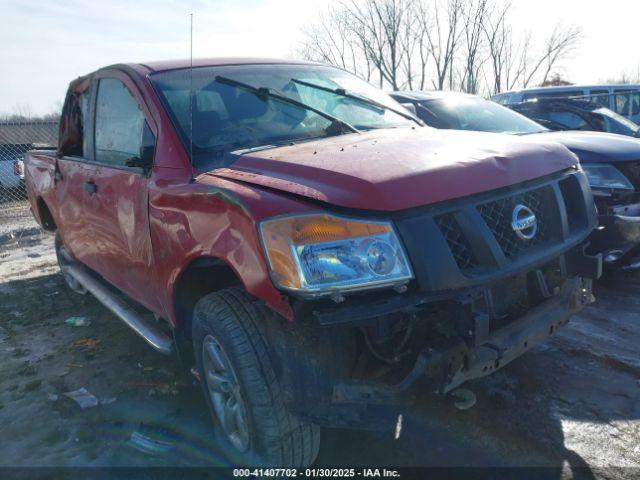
(411, 107)
(144, 160)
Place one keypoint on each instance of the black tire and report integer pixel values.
(276, 437)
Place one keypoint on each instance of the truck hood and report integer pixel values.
(593, 147)
(395, 169)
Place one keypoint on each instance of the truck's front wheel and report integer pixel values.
(239, 383)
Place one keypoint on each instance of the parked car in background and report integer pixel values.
(11, 170)
(8, 178)
(623, 99)
(308, 245)
(612, 162)
(568, 114)
(18, 170)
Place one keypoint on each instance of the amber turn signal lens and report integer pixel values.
(325, 228)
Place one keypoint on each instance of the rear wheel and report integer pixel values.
(63, 262)
(244, 396)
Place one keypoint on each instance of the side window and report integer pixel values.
(502, 99)
(552, 94)
(569, 120)
(119, 124)
(627, 103)
(75, 118)
(600, 97)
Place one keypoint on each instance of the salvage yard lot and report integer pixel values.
(571, 402)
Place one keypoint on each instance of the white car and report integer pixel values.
(18, 168)
(9, 179)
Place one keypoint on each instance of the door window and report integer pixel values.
(552, 94)
(600, 97)
(75, 141)
(119, 124)
(627, 103)
(568, 120)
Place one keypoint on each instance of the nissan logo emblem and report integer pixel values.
(524, 222)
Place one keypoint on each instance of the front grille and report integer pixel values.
(468, 241)
(498, 217)
(457, 241)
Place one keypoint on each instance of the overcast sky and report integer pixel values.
(45, 44)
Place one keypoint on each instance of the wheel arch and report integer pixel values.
(45, 216)
(203, 275)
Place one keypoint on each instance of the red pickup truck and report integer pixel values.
(306, 243)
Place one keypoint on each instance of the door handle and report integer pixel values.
(90, 187)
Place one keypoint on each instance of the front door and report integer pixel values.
(117, 195)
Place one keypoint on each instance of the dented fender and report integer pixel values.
(214, 217)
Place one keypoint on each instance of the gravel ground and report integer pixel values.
(571, 403)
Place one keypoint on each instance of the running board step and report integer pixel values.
(151, 334)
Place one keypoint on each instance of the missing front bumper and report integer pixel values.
(447, 369)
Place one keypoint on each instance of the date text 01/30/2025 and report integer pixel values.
(316, 472)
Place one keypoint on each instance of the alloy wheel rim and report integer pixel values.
(224, 393)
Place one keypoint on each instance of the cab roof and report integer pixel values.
(145, 68)
(162, 65)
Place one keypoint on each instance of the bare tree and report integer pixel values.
(474, 15)
(442, 39)
(468, 44)
(557, 47)
(514, 63)
(624, 78)
(410, 43)
(421, 29)
(332, 40)
(380, 26)
(500, 47)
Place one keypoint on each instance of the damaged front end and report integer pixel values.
(435, 346)
(482, 297)
(618, 232)
(488, 331)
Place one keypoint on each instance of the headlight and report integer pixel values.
(320, 253)
(606, 176)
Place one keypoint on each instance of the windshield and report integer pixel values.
(472, 113)
(614, 123)
(229, 118)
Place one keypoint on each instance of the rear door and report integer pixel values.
(72, 167)
(117, 194)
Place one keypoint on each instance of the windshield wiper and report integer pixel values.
(344, 93)
(337, 126)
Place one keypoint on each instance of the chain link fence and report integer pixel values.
(17, 138)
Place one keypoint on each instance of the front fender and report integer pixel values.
(213, 217)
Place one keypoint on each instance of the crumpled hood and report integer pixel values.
(390, 170)
(596, 146)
